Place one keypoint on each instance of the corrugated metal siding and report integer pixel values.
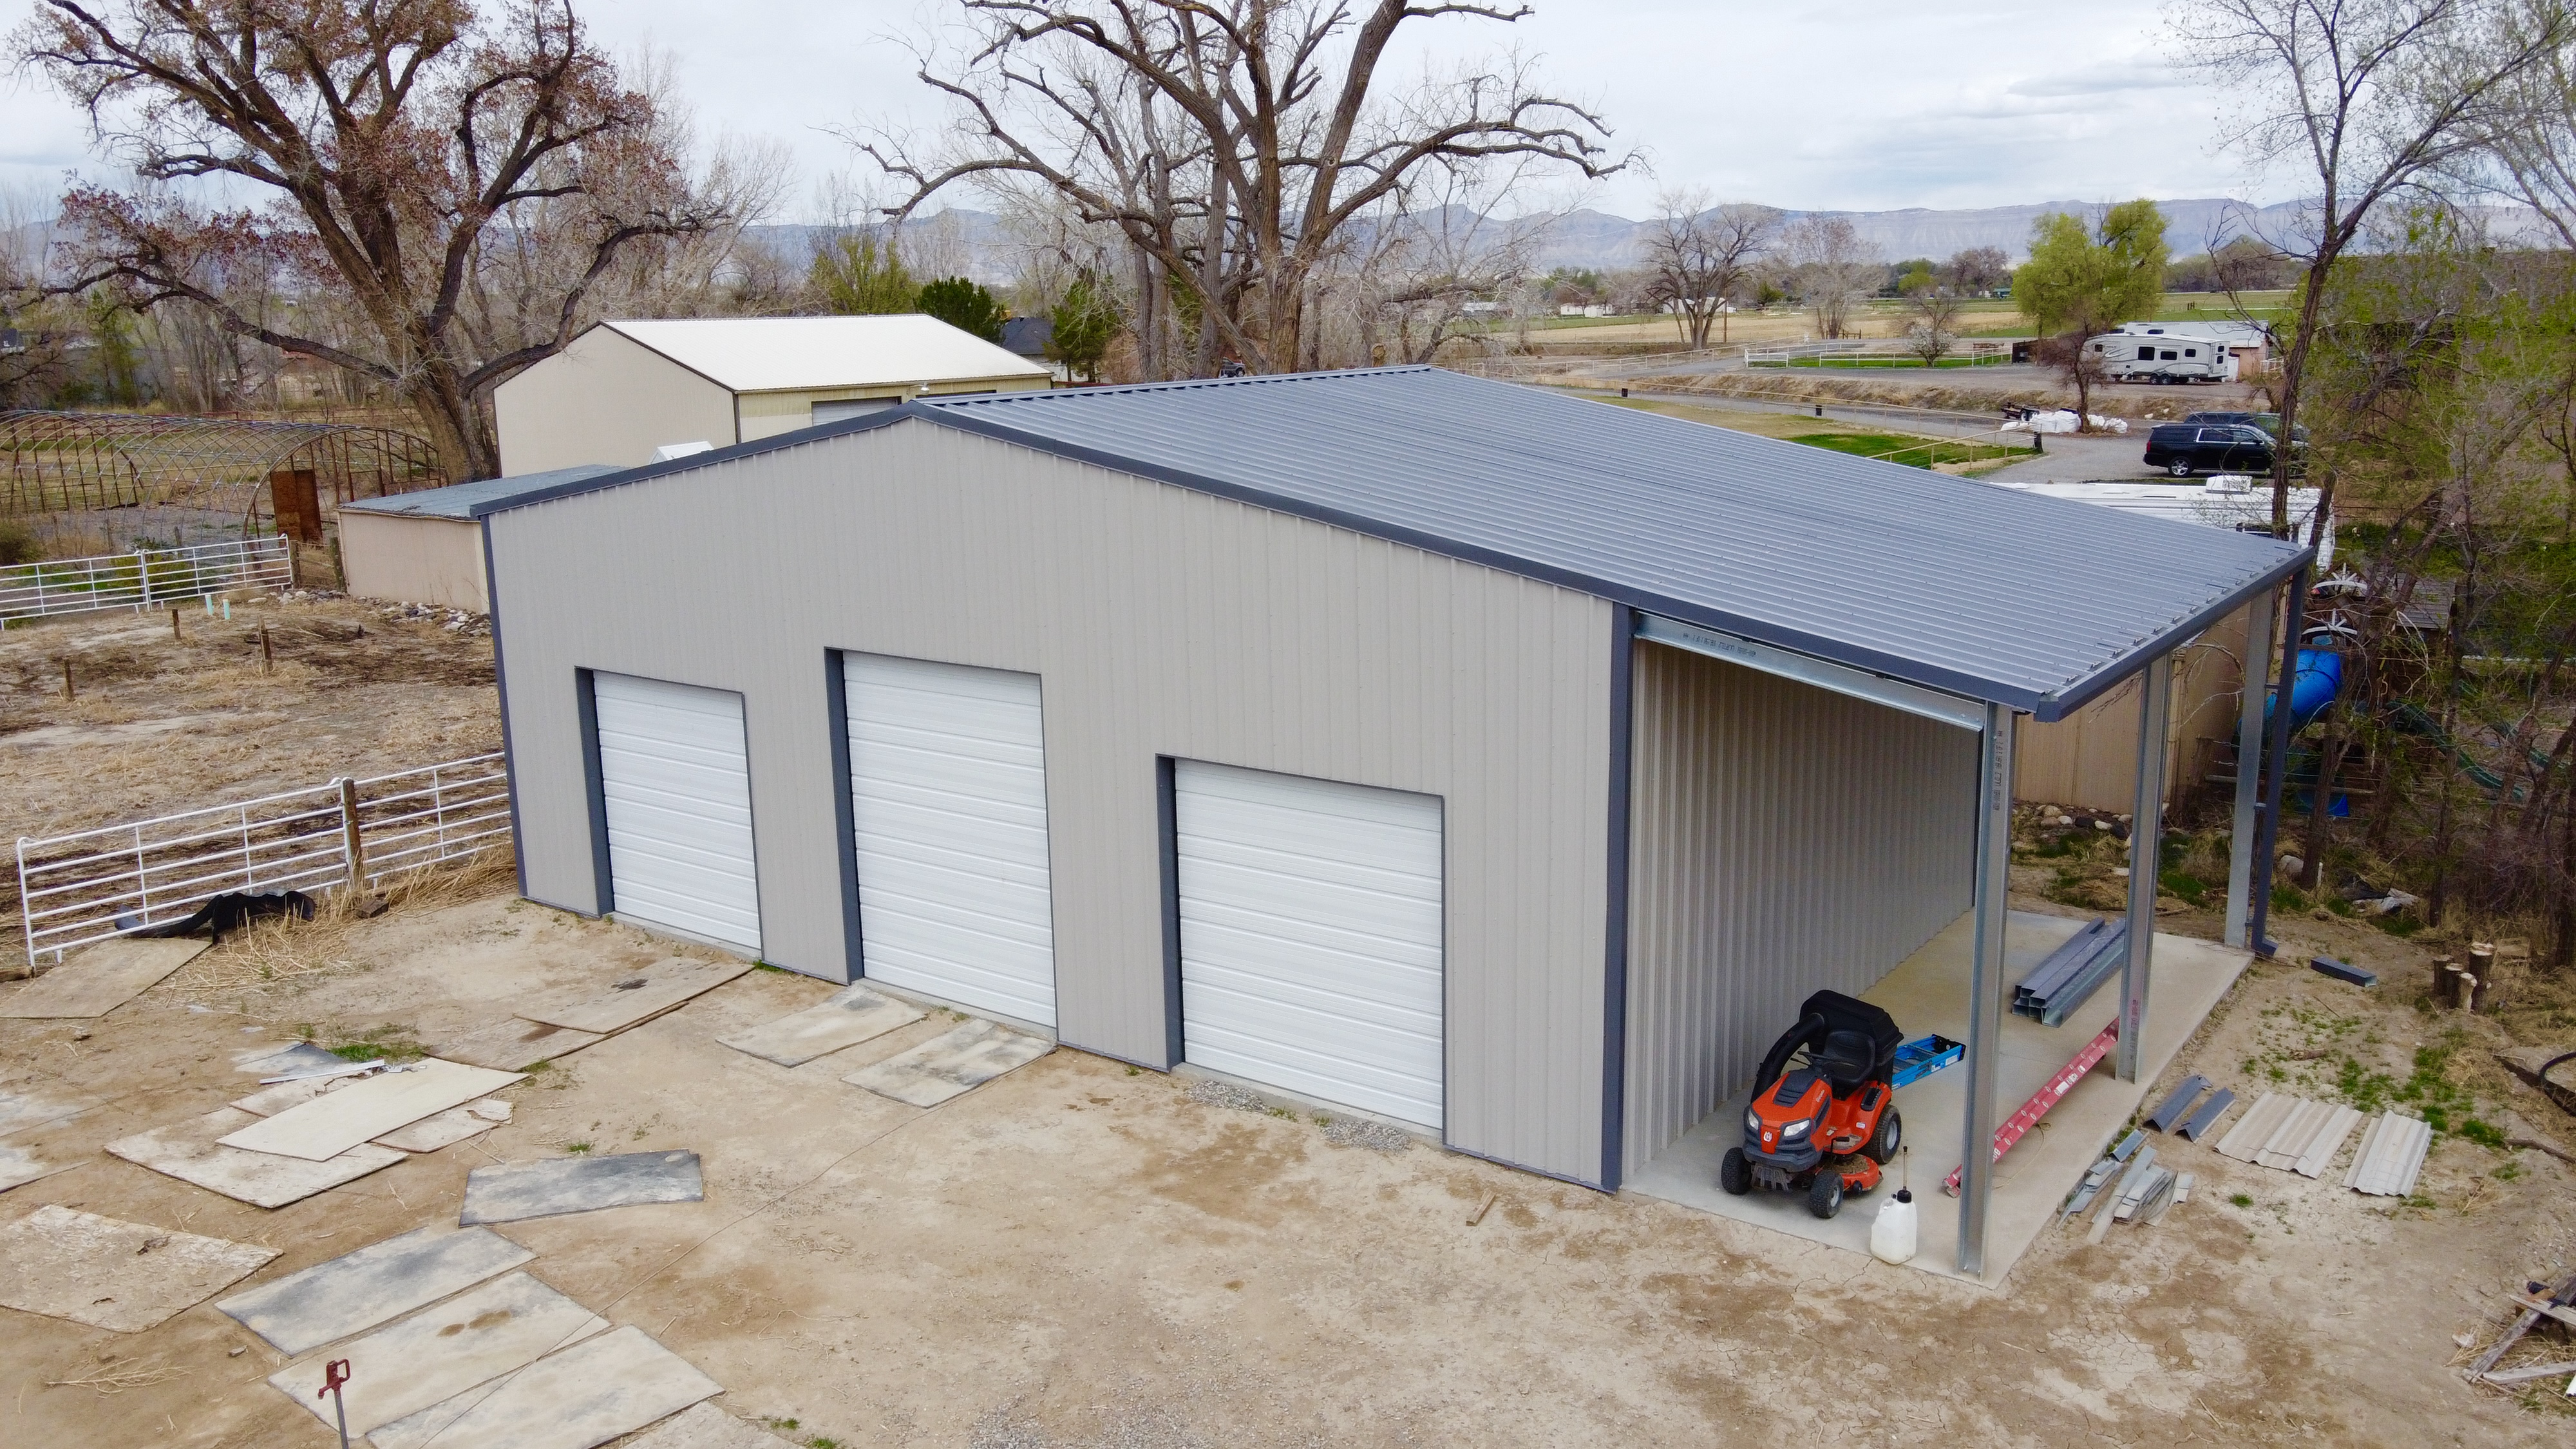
(1164, 622)
(1784, 839)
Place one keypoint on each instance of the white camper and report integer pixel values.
(2162, 357)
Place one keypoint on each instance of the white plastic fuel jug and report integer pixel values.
(1892, 1236)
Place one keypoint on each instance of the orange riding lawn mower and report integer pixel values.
(1823, 1119)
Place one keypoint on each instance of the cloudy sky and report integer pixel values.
(1862, 104)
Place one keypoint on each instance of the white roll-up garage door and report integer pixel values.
(948, 801)
(677, 782)
(1311, 937)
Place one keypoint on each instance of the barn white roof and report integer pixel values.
(804, 354)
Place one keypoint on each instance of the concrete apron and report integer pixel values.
(1928, 992)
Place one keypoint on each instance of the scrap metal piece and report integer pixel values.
(2207, 1116)
(2171, 1110)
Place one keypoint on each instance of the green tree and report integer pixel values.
(965, 306)
(2080, 281)
(1082, 326)
(855, 279)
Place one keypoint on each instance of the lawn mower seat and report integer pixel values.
(1846, 1059)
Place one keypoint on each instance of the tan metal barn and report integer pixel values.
(624, 389)
(1494, 762)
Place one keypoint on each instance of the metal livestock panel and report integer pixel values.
(1164, 623)
(1784, 839)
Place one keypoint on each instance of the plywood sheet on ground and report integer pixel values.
(515, 1045)
(640, 997)
(450, 1127)
(113, 1274)
(704, 1426)
(330, 1125)
(27, 1111)
(376, 1284)
(433, 1356)
(281, 1059)
(192, 1152)
(514, 1192)
(844, 1019)
(19, 1166)
(96, 980)
(951, 1063)
(583, 1396)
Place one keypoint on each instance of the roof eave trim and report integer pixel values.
(2109, 676)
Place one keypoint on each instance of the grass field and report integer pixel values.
(1907, 449)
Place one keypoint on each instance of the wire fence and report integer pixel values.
(144, 579)
(91, 885)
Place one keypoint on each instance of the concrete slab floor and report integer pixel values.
(1928, 992)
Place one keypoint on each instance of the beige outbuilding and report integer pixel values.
(426, 547)
(624, 390)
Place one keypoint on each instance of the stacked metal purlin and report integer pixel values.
(2073, 972)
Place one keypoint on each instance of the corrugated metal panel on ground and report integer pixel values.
(948, 799)
(2254, 1129)
(1943, 581)
(1785, 839)
(677, 786)
(2390, 1157)
(1163, 621)
(1311, 937)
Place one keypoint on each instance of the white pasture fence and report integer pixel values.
(1876, 352)
(144, 579)
(90, 885)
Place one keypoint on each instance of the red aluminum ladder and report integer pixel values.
(2046, 1097)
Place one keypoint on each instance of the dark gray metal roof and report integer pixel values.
(462, 501)
(2034, 602)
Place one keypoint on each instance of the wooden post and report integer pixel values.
(174, 628)
(67, 680)
(2482, 958)
(350, 844)
(267, 657)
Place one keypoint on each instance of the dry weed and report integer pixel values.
(272, 952)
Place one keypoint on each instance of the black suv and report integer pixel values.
(2270, 423)
(2183, 449)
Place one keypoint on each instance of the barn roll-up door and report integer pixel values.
(1311, 942)
(948, 802)
(675, 777)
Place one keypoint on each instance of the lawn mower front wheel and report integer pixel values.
(1889, 1136)
(1734, 1173)
(1825, 1194)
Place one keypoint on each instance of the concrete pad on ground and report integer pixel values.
(1928, 992)
(515, 1192)
(946, 1065)
(849, 1016)
(96, 980)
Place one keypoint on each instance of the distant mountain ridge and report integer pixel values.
(1598, 239)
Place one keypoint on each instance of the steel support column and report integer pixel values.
(2256, 674)
(1986, 982)
(2146, 860)
(2267, 837)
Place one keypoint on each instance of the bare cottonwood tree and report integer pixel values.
(1233, 142)
(1977, 270)
(1698, 257)
(392, 147)
(2366, 100)
(1831, 268)
(1932, 325)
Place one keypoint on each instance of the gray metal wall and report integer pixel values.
(1784, 838)
(1161, 622)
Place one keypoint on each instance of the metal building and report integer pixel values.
(624, 389)
(1493, 761)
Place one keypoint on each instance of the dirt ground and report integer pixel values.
(157, 725)
(1081, 1254)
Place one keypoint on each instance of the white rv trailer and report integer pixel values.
(2160, 356)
